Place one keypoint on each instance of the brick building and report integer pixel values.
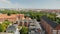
(15, 18)
(12, 18)
(24, 22)
(49, 26)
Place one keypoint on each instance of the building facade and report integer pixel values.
(12, 18)
(49, 26)
(24, 22)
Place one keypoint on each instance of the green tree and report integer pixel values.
(24, 30)
(6, 22)
(8, 14)
(2, 28)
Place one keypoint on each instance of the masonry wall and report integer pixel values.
(23, 24)
(58, 27)
(46, 26)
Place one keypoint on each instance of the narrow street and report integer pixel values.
(16, 32)
(37, 29)
(39, 26)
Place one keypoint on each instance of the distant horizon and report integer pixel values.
(35, 4)
(23, 8)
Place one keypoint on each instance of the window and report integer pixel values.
(25, 24)
(20, 24)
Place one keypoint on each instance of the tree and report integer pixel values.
(6, 22)
(38, 18)
(58, 20)
(2, 28)
(8, 14)
(24, 30)
(4, 25)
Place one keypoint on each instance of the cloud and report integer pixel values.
(5, 1)
(28, 4)
(9, 4)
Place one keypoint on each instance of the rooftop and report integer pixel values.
(11, 16)
(51, 23)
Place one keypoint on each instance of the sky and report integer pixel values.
(35, 4)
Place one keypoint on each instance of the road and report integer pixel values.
(17, 32)
(37, 26)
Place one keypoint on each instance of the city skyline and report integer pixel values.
(35, 4)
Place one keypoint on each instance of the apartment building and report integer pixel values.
(12, 18)
(15, 18)
(49, 26)
(24, 22)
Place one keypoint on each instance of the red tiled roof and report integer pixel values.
(6, 16)
(12, 17)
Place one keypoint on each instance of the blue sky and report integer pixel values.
(40, 4)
